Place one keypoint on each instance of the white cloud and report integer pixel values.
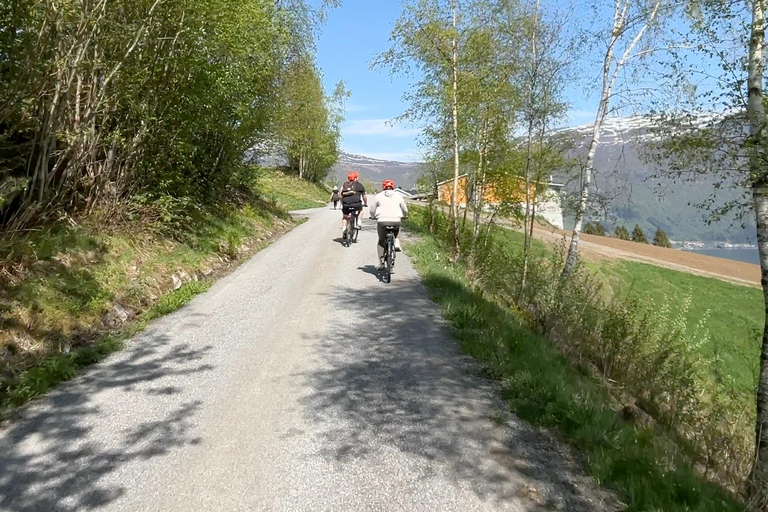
(357, 108)
(377, 127)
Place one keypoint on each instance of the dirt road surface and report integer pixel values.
(298, 383)
(599, 248)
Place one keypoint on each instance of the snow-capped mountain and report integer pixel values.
(374, 170)
(623, 176)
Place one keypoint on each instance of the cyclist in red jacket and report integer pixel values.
(353, 199)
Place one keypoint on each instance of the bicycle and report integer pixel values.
(389, 254)
(353, 228)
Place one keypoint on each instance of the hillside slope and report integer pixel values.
(635, 197)
(70, 292)
(375, 171)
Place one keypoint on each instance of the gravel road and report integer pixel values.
(297, 383)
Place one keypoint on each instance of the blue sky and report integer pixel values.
(351, 38)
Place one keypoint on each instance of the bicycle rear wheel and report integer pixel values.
(390, 260)
(348, 233)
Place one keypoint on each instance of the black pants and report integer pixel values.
(351, 210)
(381, 228)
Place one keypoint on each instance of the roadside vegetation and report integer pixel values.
(490, 89)
(128, 132)
(72, 293)
(635, 380)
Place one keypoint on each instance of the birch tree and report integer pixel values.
(632, 20)
(427, 41)
(758, 172)
(728, 147)
(308, 129)
(543, 76)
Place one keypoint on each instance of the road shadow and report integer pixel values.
(49, 458)
(405, 385)
(371, 269)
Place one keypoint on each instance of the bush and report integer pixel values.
(646, 349)
(599, 229)
(594, 229)
(638, 235)
(661, 239)
(621, 233)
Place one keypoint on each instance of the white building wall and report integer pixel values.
(548, 207)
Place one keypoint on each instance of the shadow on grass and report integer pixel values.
(542, 387)
(52, 457)
(399, 383)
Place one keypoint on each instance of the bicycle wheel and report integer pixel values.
(390, 259)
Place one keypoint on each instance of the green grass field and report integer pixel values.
(545, 389)
(734, 314)
(289, 192)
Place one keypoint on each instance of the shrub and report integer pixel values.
(594, 229)
(661, 239)
(621, 233)
(638, 235)
(599, 228)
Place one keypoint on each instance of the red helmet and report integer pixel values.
(352, 176)
(388, 184)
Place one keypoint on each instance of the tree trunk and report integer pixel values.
(586, 181)
(529, 160)
(480, 201)
(431, 216)
(620, 24)
(526, 239)
(758, 483)
(469, 193)
(455, 109)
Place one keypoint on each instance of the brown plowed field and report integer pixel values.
(600, 247)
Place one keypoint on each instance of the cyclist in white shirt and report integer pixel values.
(388, 209)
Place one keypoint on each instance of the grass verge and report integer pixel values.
(71, 294)
(734, 313)
(289, 192)
(545, 389)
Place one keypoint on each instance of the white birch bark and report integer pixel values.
(610, 72)
(455, 112)
(758, 485)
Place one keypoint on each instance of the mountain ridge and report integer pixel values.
(374, 170)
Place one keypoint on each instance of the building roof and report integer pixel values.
(550, 182)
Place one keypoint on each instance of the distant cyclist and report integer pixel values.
(388, 209)
(353, 199)
(335, 196)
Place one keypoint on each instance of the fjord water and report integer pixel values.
(747, 255)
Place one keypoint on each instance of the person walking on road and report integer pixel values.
(335, 196)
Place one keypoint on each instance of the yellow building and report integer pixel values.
(547, 200)
(490, 195)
